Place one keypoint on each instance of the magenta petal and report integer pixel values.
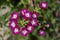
(24, 32)
(14, 16)
(43, 5)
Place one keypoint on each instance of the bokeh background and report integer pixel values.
(52, 15)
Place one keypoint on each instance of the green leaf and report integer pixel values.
(41, 38)
(19, 37)
(2, 18)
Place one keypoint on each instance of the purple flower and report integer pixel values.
(29, 27)
(43, 5)
(16, 30)
(34, 22)
(23, 11)
(35, 15)
(26, 14)
(14, 27)
(13, 23)
(14, 16)
(42, 32)
(24, 32)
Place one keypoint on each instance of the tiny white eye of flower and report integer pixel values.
(16, 30)
(34, 15)
(29, 28)
(13, 24)
(33, 22)
(44, 5)
(24, 32)
(27, 15)
(14, 16)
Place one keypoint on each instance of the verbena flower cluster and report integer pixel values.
(28, 16)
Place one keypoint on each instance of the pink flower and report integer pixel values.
(43, 5)
(14, 16)
(42, 32)
(13, 23)
(23, 11)
(35, 15)
(30, 28)
(34, 22)
(15, 30)
(26, 14)
(24, 32)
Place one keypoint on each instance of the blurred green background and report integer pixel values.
(52, 15)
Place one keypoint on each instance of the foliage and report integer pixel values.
(46, 15)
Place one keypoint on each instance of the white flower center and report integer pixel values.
(14, 16)
(29, 28)
(44, 5)
(34, 15)
(13, 24)
(16, 30)
(27, 15)
(33, 22)
(24, 32)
